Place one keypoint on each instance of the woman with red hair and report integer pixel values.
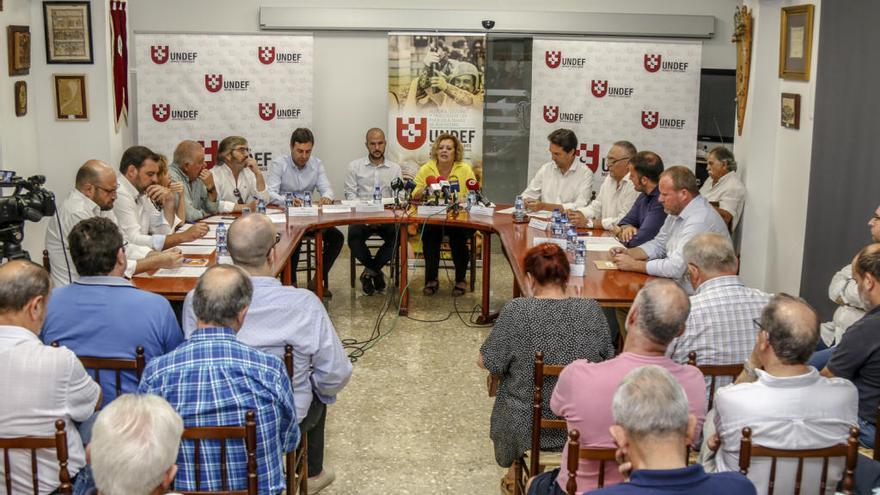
(563, 328)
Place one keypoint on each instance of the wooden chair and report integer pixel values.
(850, 450)
(57, 442)
(248, 433)
(576, 453)
(374, 241)
(713, 371)
(116, 365)
(297, 461)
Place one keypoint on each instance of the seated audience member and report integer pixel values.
(720, 327)
(447, 160)
(93, 196)
(616, 196)
(213, 380)
(785, 402)
(646, 216)
(40, 384)
(199, 191)
(159, 216)
(280, 315)
(689, 214)
(563, 328)
(138, 186)
(240, 183)
(301, 173)
(563, 182)
(364, 174)
(134, 446)
(652, 429)
(102, 314)
(857, 356)
(584, 392)
(723, 189)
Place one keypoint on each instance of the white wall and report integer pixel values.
(775, 161)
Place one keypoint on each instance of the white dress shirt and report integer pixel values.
(284, 176)
(729, 192)
(134, 218)
(41, 384)
(665, 250)
(76, 208)
(362, 176)
(572, 189)
(800, 412)
(613, 202)
(844, 291)
(226, 185)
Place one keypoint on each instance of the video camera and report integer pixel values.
(29, 201)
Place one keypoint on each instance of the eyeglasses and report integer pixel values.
(277, 238)
(106, 189)
(757, 323)
(612, 161)
(243, 149)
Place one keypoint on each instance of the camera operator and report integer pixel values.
(93, 196)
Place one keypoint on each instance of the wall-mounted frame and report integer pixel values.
(790, 110)
(796, 42)
(18, 41)
(68, 27)
(70, 97)
(20, 89)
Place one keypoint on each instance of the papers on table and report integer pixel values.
(217, 219)
(184, 271)
(201, 242)
(600, 243)
(302, 211)
(202, 250)
(543, 214)
(335, 209)
(507, 210)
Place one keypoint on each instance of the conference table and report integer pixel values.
(611, 288)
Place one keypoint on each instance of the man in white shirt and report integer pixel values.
(40, 383)
(239, 181)
(786, 403)
(616, 196)
(688, 213)
(563, 182)
(364, 174)
(94, 195)
(138, 185)
(723, 189)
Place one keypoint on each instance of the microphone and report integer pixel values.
(433, 185)
(396, 187)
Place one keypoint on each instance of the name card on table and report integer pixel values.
(368, 208)
(327, 209)
(577, 270)
(302, 211)
(429, 210)
(482, 210)
(562, 243)
(534, 223)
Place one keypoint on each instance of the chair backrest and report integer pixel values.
(713, 371)
(576, 453)
(850, 450)
(538, 421)
(248, 433)
(57, 442)
(297, 461)
(117, 366)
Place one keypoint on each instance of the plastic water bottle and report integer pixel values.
(580, 253)
(556, 215)
(288, 199)
(307, 200)
(245, 211)
(519, 209)
(563, 219)
(471, 199)
(261, 207)
(556, 229)
(221, 240)
(377, 192)
(572, 238)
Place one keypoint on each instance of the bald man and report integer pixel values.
(200, 192)
(364, 174)
(94, 196)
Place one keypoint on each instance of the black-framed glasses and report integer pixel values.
(243, 149)
(757, 323)
(612, 161)
(238, 197)
(107, 189)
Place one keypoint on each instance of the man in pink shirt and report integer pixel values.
(585, 390)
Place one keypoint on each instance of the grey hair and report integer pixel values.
(792, 327)
(663, 308)
(185, 152)
(226, 145)
(725, 156)
(627, 147)
(650, 402)
(135, 441)
(20, 282)
(711, 252)
(221, 293)
(250, 239)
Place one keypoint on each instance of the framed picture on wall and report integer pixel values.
(20, 89)
(70, 97)
(18, 41)
(68, 32)
(796, 42)
(791, 110)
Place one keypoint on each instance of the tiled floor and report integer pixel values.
(415, 416)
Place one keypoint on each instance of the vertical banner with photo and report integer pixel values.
(606, 91)
(435, 85)
(207, 87)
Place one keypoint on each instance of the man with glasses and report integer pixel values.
(616, 196)
(240, 183)
(93, 196)
(188, 168)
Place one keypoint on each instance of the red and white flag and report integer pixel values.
(119, 37)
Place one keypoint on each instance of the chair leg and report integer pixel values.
(308, 261)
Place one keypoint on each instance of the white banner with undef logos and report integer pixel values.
(207, 87)
(605, 91)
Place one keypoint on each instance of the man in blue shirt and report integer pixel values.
(646, 216)
(301, 173)
(286, 315)
(102, 314)
(213, 380)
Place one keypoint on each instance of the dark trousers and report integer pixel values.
(357, 242)
(313, 427)
(432, 236)
(333, 241)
